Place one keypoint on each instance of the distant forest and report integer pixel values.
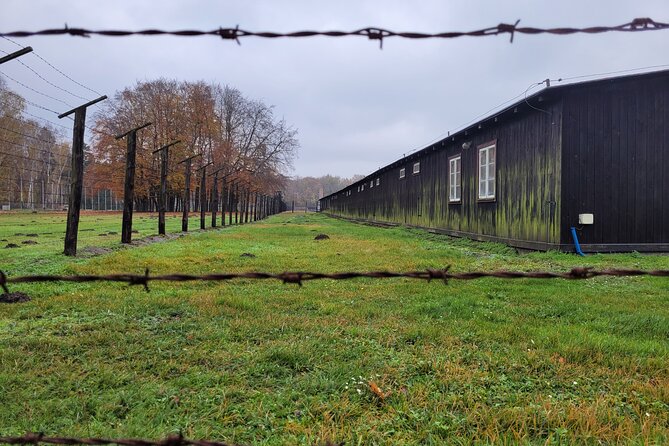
(310, 189)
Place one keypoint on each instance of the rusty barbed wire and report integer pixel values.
(299, 277)
(372, 33)
(171, 440)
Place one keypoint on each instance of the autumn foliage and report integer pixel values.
(240, 136)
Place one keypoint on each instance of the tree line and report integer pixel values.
(303, 190)
(252, 147)
(34, 158)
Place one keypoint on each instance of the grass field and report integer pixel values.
(486, 361)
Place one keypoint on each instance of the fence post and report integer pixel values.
(224, 199)
(77, 179)
(164, 159)
(129, 188)
(186, 204)
(203, 193)
(232, 201)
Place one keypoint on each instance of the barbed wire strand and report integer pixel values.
(28, 87)
(53, 67)
(65, 90)
(299, 277)
(638, 24)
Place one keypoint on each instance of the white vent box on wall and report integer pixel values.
(586, 219)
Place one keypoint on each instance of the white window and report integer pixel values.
(378, 182)
(455, 179)
(358, 188)
(362, 188)
(416, 168)
(487, 171)
(371, 183)
(402, 172)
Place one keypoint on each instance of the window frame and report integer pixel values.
(378, 181)
(415, 171)
(450, 185)
(403, 172)
(481, 147)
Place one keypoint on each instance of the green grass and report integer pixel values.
(485, 361)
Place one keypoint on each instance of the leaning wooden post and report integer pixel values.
(77, 179)
(186, 210)
(203, 194)
(164, 159)
(129, 189)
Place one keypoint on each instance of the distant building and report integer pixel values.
(592, 155)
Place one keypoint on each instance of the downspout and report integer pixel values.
(577, 245)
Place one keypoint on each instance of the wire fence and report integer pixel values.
(379, 34)
(299, 277)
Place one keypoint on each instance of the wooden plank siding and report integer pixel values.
(527, 183)
(599, 147)
(616, 163)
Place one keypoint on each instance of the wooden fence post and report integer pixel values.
(186, 205)
(129, 188)
(164, 159)
(77, 176)
(203, 194)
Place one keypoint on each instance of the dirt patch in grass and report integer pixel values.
(14, 298)
(322, 237)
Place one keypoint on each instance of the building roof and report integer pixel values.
(550, 92)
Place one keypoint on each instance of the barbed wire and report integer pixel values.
(172, 440)
(34, 53)
(64, 90)
(46, 120)
(299, 277)
(638, 24)
(28, 87)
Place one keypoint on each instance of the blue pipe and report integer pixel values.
(577, 245)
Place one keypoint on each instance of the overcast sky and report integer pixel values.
(356, 107)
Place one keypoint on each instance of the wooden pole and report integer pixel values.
(164, 157)
(224, 199)
(77, 176)
(129, 188)
(186, 204)
(162, 197)
(237, 203)
(203, 194)
(184, 217)
(76, 182)
(232, 202)
(214, 199)
(248, 205)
